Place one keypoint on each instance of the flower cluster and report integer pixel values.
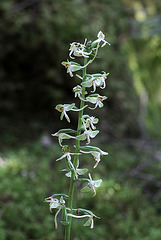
(86, 130)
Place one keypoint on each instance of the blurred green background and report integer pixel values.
(34, 40)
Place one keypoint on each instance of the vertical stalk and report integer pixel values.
(76, 159)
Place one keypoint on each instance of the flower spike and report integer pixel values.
(85, 130)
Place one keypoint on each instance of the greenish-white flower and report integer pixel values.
(73, 67)
(79, 171)
(63, 134)
(95, 80)
(55, 203)
(92, 184)
(87, 214)
(87, 135)
(96, 153)
(67, 154)
(78, 50)
(88, 122)
(78, 91)
(64, 108)
(96, 99)
(101, 38)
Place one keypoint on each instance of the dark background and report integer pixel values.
(34, 40)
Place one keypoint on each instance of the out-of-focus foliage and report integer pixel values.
(35, 39)
(144, 51)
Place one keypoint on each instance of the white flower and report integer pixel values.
(78, 171)
(62, 135)
(91, 185)
(95, 80)
(88, 122)
(101, 38)
(67, 155)
(87, 135)
(64, 108)
(55, 203)
(96, 99)
(90, 222)
(96, 154)
(78, 91)
(78, 50)
(73, 67)
(88, 214)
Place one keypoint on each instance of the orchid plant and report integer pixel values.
(86, 130)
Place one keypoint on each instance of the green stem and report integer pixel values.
(76, 159)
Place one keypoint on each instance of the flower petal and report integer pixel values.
(54, 205)
(82, 171)
(89, 222)
(98, 182)
(94, 133)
